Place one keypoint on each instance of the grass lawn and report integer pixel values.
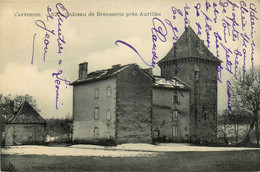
(248, 160)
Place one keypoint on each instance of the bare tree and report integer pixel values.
(246, 97)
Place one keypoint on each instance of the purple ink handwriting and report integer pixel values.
(237, 53)
(62, 14)
(58, 81)
(33, 48)
(159, 32)
(42, 25)
(186, 13)
(197, 7)
(229, 94)
(243, 11)
(231, 24)
(228, 62)
(217, 45)
(235, 33)
(207, 28)
(216, 12)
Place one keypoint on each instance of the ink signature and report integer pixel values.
(62, 13)
(58, 82)
(159, 32)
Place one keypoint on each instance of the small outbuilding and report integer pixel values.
(26, 126)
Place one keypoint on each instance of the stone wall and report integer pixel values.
(19, 134)
(203, 94)
(134, 105)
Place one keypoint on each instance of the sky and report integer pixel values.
(91, 38)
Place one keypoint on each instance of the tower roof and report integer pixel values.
(189, 45)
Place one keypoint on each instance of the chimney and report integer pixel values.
(149, 70)
(11, 106)
(115, 66)
(83, 70)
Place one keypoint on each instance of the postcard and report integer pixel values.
(129, 85)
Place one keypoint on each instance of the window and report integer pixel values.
(108, 115)
(108, 135)
(196, 75)
(156, 133)
(96, 113)
(96, 93)
(205, 113)
(186, 137)
(175, 130)
(108, 91)
(175, 98)
(175, 115)
(96, 133)
(177, 69)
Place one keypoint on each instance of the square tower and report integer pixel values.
(190, 61)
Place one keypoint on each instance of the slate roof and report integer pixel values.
(159, 82)
(189, 45)
(173, 83)
(102, 74)
(27, 115)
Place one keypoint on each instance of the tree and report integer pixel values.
(223, 123)
(18, 100)
(245, 98)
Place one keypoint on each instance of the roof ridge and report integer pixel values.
(180, 50)
(111, 68)
(14, 117)
(111, 72)
(31, 114)
(189, 37)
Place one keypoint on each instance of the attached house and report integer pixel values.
(112, 104)
(128, 104)
(171, 112)
(24, 126)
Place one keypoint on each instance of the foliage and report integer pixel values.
(245, 97)
(57, 127)
(18, 100)
(232, 126)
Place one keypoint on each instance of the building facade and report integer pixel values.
(25, 126)
(130, 104)
(170, 116)
(112, 104)
(190, 61)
